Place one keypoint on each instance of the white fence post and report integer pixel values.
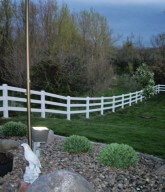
(43, 104)
(102, 105)
(5, 101)
(122, 104)
(158, 88)
(68, 107)
(136, 97)
(130, 99)
(87, 107)
(113, 104)
(141, 98)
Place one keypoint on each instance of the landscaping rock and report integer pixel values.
(161, 171)
(141, 177)
(61, 181)
(51, 137)
(8, 144)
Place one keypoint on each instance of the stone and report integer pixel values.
(120, 186)
(51, 137)
(160, 171)
(8, 144)
(61, 181)
(53, 158)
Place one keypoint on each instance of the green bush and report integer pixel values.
(118, 155)
(76, 144)
(126, 83)
(145, 77)
(14, 129)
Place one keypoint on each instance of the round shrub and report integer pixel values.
(76, 144)
(14, 129)
(118, 155)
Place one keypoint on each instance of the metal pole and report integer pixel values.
(28, 75)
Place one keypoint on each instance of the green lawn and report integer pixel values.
(141, 126)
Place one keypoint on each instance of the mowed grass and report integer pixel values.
(142, 126)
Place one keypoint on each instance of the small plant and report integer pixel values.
(76, 144)
(118, 155)
(14, 129)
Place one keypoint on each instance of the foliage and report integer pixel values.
(144, 76)
(58, 76)
(126, 82)
(77, 144)
(49, 70)
(128, 58)
(14, 129)
(98, 50)
(149, 91)
(6, 41)
(157, 57)
(118, 155)
(61, 40)
(146, 79)
(74, 80)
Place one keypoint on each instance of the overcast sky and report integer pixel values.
(141, 17)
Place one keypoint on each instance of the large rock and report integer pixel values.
(51, 137)
(161, 171)
(8, 144)
(61, 181)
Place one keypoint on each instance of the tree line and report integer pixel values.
(70, 53)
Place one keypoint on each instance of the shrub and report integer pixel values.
(14, 129)
(145, 78)
(126, 82)
(76, 144)
(118, 155)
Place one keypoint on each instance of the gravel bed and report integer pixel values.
(104, 179)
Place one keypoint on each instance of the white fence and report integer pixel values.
(57, 104)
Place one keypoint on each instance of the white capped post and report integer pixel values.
(113, 104)
(158, 88)
(136, 96)
(130, 99)
(68, 108)
(102, 105)
(5, 101)
(43, 104)
(122, 105)
(87, 107)
(141, 96)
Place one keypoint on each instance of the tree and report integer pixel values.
(157, 57)
(6, 41)
(128, 57)
(98, 49)
(47, 75)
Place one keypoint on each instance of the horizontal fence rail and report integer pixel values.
(14, 99)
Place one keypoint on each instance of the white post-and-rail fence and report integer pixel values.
(57, 104)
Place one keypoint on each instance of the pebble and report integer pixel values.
(105, 179)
